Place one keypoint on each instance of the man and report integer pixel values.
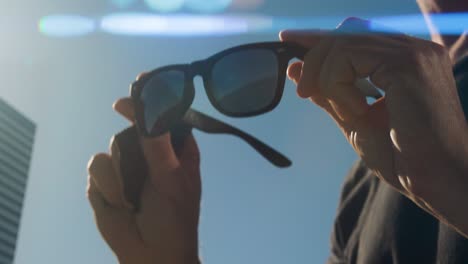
(405, 202)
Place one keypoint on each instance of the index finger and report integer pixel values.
(306, 38)
(124, 106)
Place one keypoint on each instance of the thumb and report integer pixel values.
(306, 38)
(190, 154)
(190, 161)
(158, 152)
(162, 165)
(124, 106)
(295, 71)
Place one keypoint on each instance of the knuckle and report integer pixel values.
(320, 101)
(112, 142)
(306, 81)
(335, 66)
(421, 51)
(88, 186)
(423, 54)
(439, 50)
(415, 55)
(141, 75)
(90, 193)
(95, 161)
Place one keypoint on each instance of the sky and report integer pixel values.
(252, 212)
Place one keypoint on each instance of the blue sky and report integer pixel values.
(252, 212)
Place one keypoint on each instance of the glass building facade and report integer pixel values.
(16, 142)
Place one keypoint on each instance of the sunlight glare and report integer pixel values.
(181, 25)
(208, 6)
(164, 5)
(66, 25)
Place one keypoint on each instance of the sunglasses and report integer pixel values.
(242, 81)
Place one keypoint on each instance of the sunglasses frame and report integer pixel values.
(284, 51)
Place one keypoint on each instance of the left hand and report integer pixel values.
(415, 137)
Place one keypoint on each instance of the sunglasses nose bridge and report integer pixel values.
(197, 68)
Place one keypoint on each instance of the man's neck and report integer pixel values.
(458, 47)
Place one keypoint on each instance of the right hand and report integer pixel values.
(165, 229)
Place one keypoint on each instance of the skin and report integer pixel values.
(164, 230)
(415, 138)
(456, 44)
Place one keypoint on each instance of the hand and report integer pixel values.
(164, 230)
(415, 137)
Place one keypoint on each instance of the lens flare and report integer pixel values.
(123, 3)
(246, 4)
(208, 6)
(66, 25)
(164, 5)
(408, 24)
(204, 25)
(181, 25)
(453, 23)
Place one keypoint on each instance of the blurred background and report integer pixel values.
(63, 64)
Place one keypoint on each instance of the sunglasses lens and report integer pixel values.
(161, 97)
(246, 81)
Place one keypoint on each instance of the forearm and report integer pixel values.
(176, 258)
(445, 195)
(182, 251)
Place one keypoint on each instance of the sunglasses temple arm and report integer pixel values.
(266, 151)
(364, 85)
(211, 125)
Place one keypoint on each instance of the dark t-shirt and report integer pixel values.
(377, 225)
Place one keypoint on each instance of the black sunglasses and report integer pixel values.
(242, 81)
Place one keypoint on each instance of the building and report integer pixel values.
(16, 142)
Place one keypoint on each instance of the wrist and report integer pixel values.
(445, 184)
(174, 259)
(157, 255)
